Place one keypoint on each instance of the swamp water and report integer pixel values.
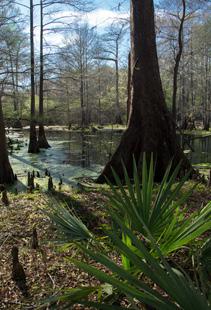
(74, 155)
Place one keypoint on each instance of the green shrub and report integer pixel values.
(148, 225)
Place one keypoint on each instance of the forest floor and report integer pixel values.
(46, 269)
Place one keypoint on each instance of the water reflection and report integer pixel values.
(77, 153)
(202, 150)
(87, 149)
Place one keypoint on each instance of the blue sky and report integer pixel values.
(105, 12)
(109, 4)
(102, 4)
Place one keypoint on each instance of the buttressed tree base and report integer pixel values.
(150, 128)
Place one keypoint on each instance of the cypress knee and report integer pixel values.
(34, 243)
(4, 198)
(18, 273)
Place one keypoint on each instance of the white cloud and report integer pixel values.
(102, 18)
(99, 18)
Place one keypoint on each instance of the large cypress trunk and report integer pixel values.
(151, 128)
(6, 172)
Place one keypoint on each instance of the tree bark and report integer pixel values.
(151, 128)
(177, 61)
(83, 116)
(118, 119)
(33, 143)
(6, 172)
(42, 140)
(206, 120)
(129, 88)
(99, 96)
(86, 92)
(15, 103)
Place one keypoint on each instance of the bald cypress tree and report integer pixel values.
(151, 128)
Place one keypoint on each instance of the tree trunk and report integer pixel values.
(129, 88)
(206, 95)
(151, 128)
(192, 74)
(17, 82)
(42, 141)
(118, 119)
(68, 108)
(15, 104)
(83, 116)
(6, 172)
(86, 93)
(177, 61)
(33, 143)
(99, 96)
